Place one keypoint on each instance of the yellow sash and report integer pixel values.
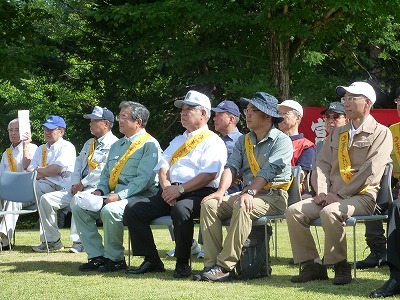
(116, 171)
(344, 159)
(254, 166)
(395, 129)
(44, 155)
(189, 145)
(92, 165)
(11, 161)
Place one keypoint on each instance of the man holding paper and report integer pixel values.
(86, 176)
(127, 176)
(16, 158)
(189, 169)
(54, 163)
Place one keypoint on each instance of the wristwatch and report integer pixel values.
(250, 192)
(181, 189)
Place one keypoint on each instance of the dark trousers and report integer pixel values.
(139, 214)
(375, 234)
(393, 240)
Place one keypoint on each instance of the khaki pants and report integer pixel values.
(333, 216)
(227, 254)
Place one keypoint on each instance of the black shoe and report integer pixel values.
(93, 264)
(6, 247)
(390, 288)
(197, 276)
(113, 266)
(182, 271)
(373, 260)
(146, 267)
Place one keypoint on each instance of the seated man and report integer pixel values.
(86, 176)
(16, 158)
(303, 149)
(127, 176)
(189, 169)
(392, 285)
(264, 154)
(349, 169)
(54, 163)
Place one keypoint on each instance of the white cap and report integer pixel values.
(88, 201)
(358, 88)
(194, 98)
(292, 104)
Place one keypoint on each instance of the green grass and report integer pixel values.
(28, 275)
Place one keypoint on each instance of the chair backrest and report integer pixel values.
(294, 189)
(18, 186)
(385, 197)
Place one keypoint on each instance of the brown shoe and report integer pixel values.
(342, 272)
(311, 271)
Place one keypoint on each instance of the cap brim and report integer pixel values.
(50, 126)
(92, 116)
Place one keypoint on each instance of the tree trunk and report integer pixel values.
(280, 66)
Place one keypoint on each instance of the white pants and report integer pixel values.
(8, 223)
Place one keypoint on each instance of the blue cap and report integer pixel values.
(227, 106)
(100, 113)
(53, 122)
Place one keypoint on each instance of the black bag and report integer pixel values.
(252, 260)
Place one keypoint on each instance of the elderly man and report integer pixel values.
(264, 155)
(349, 169)
(16, 158)
(54, 163)
(189, 169)
(303, 149)
(86, 176)
(127, 176)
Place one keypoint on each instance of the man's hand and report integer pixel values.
(216, 195)
(331, 198)
(170, 194)
(113, 197)
(26, 138)
(320, 199)
(77, 187)
(246, 200)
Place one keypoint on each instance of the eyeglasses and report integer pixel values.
(13, 130)
(123, 117)
(250, 111)
(397, 100)
(283, 114)
(351, 98)
(332, 116)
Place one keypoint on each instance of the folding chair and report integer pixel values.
(384, 198)
(19, 187)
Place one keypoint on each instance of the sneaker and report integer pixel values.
(342, 273)
(93, 264)
(198, 276)
(374, 260)
(195, 250)
(53, 246)
(311, 271)
(76, 247)
(113, 266)
(217, 274)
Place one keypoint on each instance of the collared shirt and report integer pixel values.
(61, 153)
(209, 156)
(137, 179)
(273, 154)
(230, 140)
(369, 152)
(18, 154)
(82, 173)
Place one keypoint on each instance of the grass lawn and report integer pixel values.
(28, 275)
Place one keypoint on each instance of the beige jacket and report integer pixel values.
(369, 152)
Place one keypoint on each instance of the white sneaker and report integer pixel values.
(53, 246)
(76, 247)
(195, 250)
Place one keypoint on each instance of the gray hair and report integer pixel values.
(208, 112)
(138, 111)
(12, 121)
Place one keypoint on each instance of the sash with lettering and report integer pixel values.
(344, 159)
(116, 171)
(11, 161)
(254, 166)
(395, 129)
(189, 145)
(92, 165)
(44, 155)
